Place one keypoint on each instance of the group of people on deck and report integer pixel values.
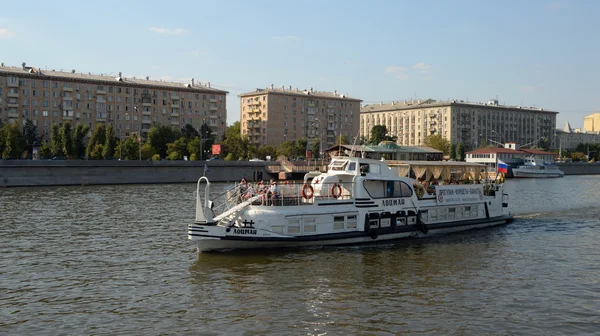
(268, 192)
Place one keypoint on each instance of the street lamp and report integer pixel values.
(320, 136)
(140, 132)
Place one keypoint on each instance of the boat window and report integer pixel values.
(338, 222)
(352, 166)
(351, 222)
(375, 189)
(374, 169)
(293, 229)
(337, 165)
(310, 228)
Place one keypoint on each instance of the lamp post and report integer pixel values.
(320, 126)
(140, 132)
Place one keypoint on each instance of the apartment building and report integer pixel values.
(129, 104)
(463, 122)
(271, 116)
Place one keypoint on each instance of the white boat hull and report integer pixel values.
(206, 244)
(522, 174)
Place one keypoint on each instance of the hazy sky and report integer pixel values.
(531, 53)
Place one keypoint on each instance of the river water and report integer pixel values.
(115, 260)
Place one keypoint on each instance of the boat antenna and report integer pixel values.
(353, 150)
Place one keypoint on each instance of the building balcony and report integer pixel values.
(213, 116)
(147, 104)
(174, 114)
(175, 106)
(67, 89)
(67, 117)
(212, 100)
(68, 98)
(213, 108)
(255, 110)
(13, 84)
(311, 104)
(13, 94)
(99, 92)
(174, 123)
(174, 97)
(98, 118)
(13, 114)
(147, 113)
(253, 103)
(146, 121)
(13, 105)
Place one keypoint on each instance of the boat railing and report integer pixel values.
(296, 194)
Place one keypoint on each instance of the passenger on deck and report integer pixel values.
(249, 192)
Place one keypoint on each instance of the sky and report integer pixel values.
(530, 53)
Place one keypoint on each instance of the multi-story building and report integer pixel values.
(569, 138)
(273, 115)
(129, 104)
(459, 122)
(591, 123)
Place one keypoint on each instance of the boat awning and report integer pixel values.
(440, 169)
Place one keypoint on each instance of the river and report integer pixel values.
(115, 260)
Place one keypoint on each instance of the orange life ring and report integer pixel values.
(336, 190)
(310, 189)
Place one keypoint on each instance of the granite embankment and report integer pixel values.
(19, 173)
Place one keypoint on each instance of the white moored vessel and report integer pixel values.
(534, 168)
(356, 201)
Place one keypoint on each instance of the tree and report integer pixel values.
(265, 151)
(343, 140)
(79, 134)
(452, 152)
(194, 147)
(129, 147)
(46, 150)
(95, 147)
(177, 149)
(287, 149)
(544, 143)
(236, 145)
(460, 152)
(316, 148)
(66, 140)
(30, 134)
(109, 142)
(188, 131)
(55, 140)
(14, 141)
(301, 147)
(378, 133)
(437, 141)
(160, 136)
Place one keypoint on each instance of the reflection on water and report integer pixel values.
(116, 260)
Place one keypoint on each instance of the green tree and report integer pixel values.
(30, 134)
(177, 149)
(437, 141)
(378, 134)
(452, 152)
(316, 148)
(301, 147)
(46, 150)
(265, 151)
(160, 136)
(544, 143)
(129, 147)
(95, 147)
(236, 145)
(194, 148)
(55, 140)
(79, 134)
(460, 152)
(287, 149)
(188, 131)
(109, 142)
(342, 140)
(66, 140)
(14, 141)
(2, 138)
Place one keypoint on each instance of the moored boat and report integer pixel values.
(534, 168)
(356, 201)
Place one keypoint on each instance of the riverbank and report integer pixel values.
(23, 173)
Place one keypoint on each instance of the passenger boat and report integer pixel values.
(534, 168)
(356, 201)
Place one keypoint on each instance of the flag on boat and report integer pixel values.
(502, 167)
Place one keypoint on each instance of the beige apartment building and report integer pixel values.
(463, 122)
(273, 115)
(49, 96)
(591, 123)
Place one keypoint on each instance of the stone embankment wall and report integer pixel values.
(576, 168)
(18, 173)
